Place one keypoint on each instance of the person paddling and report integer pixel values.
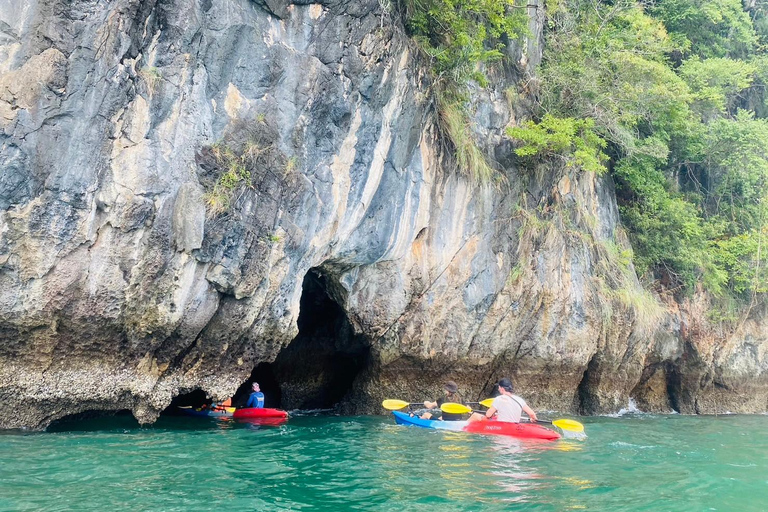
(256, 400)
(507, 406)
(451, 395)
(221, 407)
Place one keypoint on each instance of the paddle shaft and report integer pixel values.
(470, 411)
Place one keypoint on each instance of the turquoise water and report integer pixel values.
(658, 463)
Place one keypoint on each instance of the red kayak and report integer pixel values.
(262, 412)
(505, 428)
(528, 431)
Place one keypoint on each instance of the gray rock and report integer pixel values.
(351, 263)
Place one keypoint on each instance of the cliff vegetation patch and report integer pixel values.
(239, 161)
(461, 37)
(669, 97)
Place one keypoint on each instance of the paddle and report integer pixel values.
(215, 409)
(570, 425)
(394, 405)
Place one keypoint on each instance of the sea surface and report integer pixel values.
(629, 463)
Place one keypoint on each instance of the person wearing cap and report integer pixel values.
(506, 407)
(256, 400)
(451, 395)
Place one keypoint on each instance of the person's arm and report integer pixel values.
(490, 412)
(527, 410)
(430, 405)
(250, 403)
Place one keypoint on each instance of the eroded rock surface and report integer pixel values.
(121, 286)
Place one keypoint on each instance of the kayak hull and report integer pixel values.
(263, 412)
(414, 421)
(498, 428)
(517, 430)
(263, 422)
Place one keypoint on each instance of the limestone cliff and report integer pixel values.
(352, 262)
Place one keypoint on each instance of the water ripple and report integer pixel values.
(330, 463)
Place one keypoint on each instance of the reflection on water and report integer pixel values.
(514, 468)
(455, 467)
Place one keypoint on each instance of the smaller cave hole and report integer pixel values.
(194, 399)
(94, 420)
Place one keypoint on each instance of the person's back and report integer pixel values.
(509, 408)
(256, 400)
(506, 407)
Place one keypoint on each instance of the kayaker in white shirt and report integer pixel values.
(506, 407)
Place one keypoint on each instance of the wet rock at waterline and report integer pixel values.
(191, 189)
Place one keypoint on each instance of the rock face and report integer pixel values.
(193, 189)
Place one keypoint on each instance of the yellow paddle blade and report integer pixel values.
(452, 408)
(393, 405)
(487, 402)
(573, 426)
(229, 409)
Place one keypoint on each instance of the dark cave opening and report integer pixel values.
(93, 420)
(195, 399)
(587, 390)
(268, 383)
(317, 370)
(674, 386)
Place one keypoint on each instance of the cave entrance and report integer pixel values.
(317, 370)
(268, 383)
(194, 399)
(92, 420)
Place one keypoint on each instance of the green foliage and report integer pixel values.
(736, 159)
(515, 274)
(574, 140)
(461, 34)
(610, 65)
(691, 168)
(235, 174)
(664, 229)
(708, 28)
(647, 309)
(716, 83)
(151, 77)
(469, 158)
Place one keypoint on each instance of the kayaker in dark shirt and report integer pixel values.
(451, 395)
(256, 400)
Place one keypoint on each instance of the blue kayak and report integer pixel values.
(402, 418)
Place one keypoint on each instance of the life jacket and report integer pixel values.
(222, 406)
